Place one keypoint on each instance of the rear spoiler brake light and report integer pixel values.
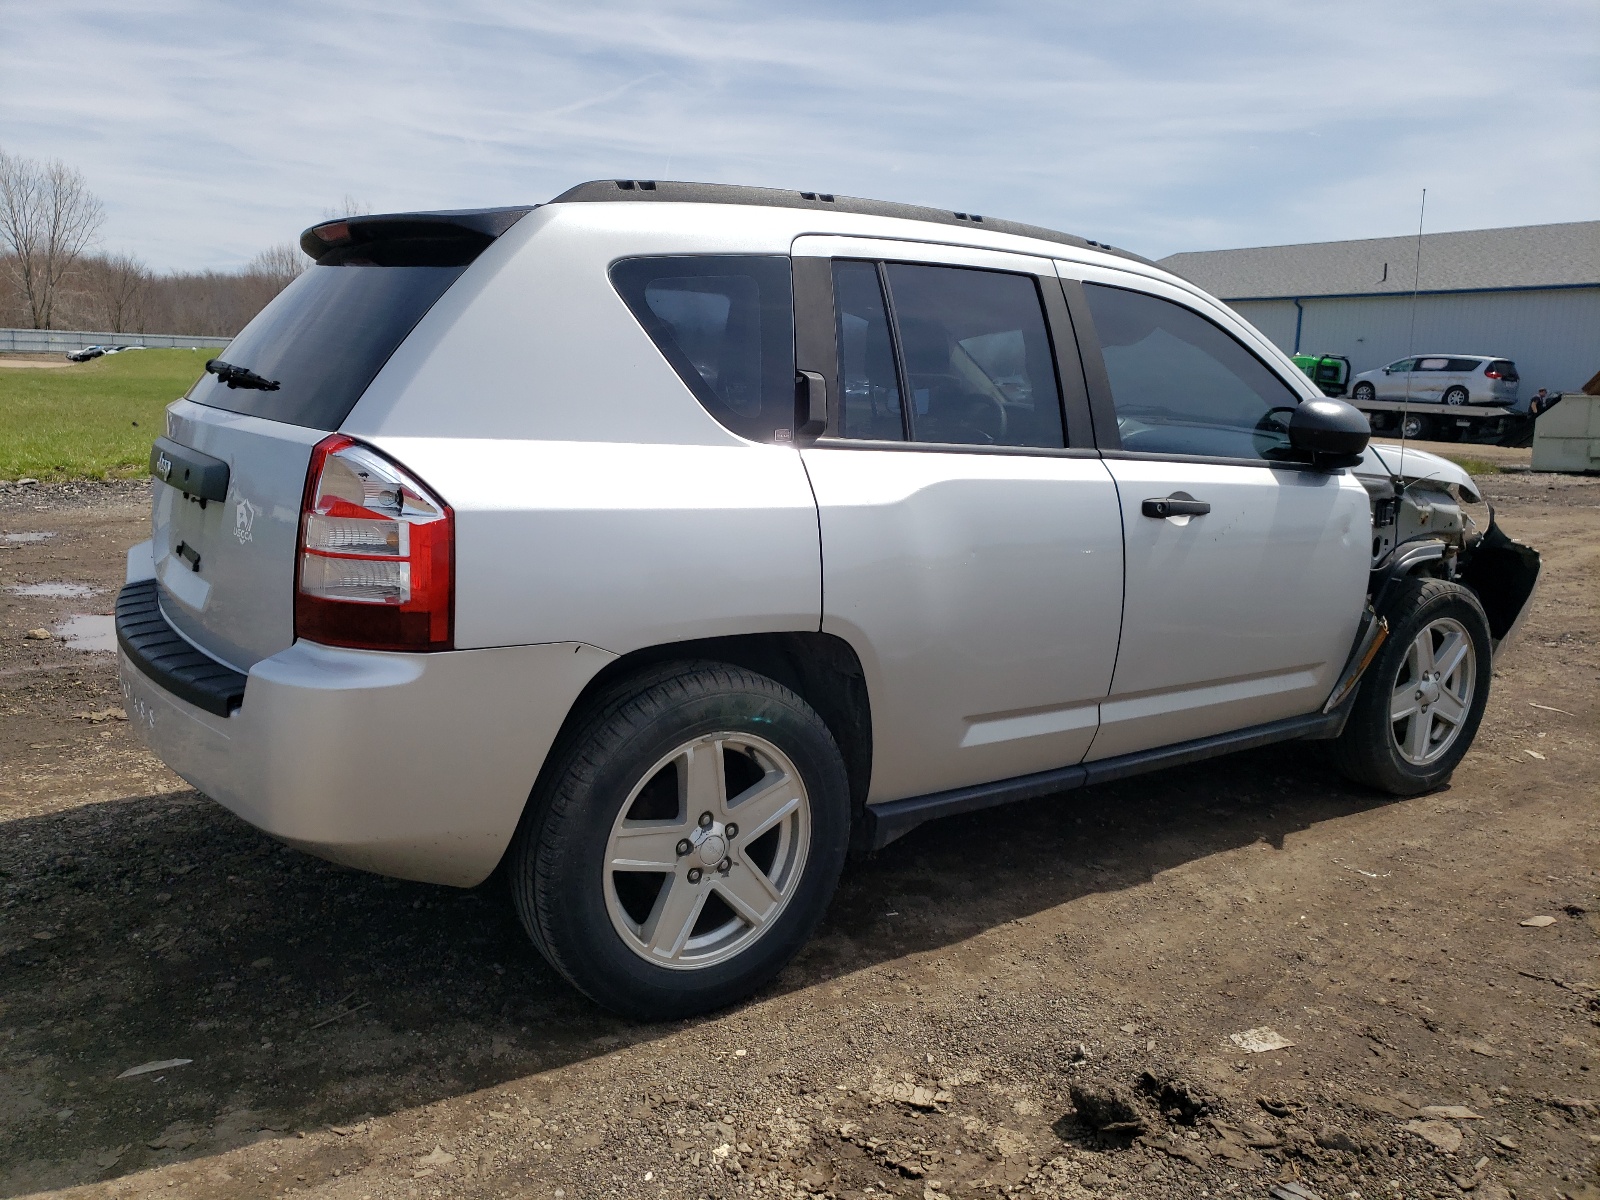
(410, 239)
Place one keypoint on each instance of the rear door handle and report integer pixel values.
(811, 404)
(1174, 506)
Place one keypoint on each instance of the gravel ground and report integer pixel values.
(1036, 1001)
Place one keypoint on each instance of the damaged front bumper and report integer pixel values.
(1504, 575)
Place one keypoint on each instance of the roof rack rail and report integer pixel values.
(601, 190)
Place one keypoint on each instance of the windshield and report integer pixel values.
(323, 339)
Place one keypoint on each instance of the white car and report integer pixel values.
(1453, 379)
(663, 543)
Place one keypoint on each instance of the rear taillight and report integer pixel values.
(1493, 375)
(374, 568)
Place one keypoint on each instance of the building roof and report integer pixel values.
(1521, 256)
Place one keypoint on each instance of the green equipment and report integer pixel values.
(1330, 372)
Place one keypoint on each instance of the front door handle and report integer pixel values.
(1176, 505)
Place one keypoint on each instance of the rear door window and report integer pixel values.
(1183, 385)
(1433, 364)
(868, 379)
(976, 357)
(726, 325)
(949, 355)
(323, 339)
(1464, 365)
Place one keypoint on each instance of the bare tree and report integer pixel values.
(278, 265)
(48, 217)
(123, 283)
(348, 206)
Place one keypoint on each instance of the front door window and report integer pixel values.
(1181, 385)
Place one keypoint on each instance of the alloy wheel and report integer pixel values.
(708, 849)
(1432, 694)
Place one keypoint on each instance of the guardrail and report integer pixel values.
(60, 341)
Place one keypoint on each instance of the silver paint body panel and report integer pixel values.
(1238, 617)
(982, 593)
(239, 605)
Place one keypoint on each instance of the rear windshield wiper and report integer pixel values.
(240, 377)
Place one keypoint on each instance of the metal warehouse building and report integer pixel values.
(1530, 293)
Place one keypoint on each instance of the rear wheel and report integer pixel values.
(1456, 396)
(1422, 699)
(686, 843)
(1414, 425)
(1364, 392)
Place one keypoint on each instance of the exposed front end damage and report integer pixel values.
(1428, 518)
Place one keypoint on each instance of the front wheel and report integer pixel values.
(685, 843)
(1413, 425)
(1422, 699)
(1363, 393)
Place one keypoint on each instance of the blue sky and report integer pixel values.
(212, 130)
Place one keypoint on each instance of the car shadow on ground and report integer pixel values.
(305, 994)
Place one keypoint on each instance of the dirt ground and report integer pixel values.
(981, 995)
(33, 362)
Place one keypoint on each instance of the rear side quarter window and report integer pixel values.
(725, 323)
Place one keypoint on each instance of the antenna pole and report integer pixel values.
(1411, 337)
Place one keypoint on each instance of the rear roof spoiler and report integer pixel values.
(449, 238)
(646, 190)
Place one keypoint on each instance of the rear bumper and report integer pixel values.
(412, 765)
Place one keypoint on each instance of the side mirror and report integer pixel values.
(1387, 371)
(1329, 433)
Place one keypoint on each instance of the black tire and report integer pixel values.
(1456, 396)
(1364, 393)
(558, 875)
(1415, 425)
(1368, 750)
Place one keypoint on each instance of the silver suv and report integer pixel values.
(663, 544)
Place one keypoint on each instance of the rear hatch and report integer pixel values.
(226, 567)
(1503, 378)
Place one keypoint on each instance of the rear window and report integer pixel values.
(1504, 368)
(324, 338)
(726, 324)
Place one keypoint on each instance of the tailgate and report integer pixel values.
(225, 558)
(226, 568)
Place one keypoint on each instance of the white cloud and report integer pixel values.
(213, 130)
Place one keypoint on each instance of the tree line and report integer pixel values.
(53, 277)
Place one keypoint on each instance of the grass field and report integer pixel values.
(90, 420)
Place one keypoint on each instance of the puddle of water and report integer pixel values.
(85, 632)
(53, 591)
(25, 537)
